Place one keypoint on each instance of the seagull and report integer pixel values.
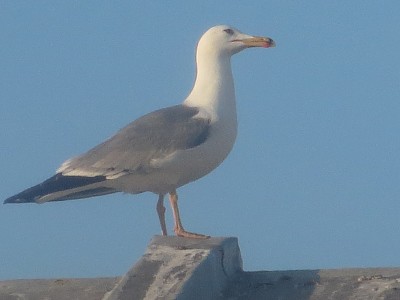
(167, 148)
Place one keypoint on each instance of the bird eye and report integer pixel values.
(229, 31)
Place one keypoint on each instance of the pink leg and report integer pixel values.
(179, 231)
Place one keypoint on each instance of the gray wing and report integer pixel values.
(153, 136)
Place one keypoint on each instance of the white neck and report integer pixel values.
(214, 90)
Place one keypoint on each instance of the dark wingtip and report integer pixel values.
(55, 184)
(16, 200)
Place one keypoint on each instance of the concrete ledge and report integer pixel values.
(340, 284)
(179, 268)
(56, 289)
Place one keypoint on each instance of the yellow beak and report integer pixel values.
(258, 41)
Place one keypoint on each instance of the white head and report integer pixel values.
(225, 40)
(214, 86)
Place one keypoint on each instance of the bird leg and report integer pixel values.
(179, 231)
(161, 213)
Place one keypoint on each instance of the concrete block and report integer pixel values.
(180, 268)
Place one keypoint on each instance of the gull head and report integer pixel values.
(223, 40)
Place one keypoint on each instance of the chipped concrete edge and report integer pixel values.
(213, 274)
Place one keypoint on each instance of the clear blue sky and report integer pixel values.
(313, 180)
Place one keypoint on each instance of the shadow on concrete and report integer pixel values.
(288, 285)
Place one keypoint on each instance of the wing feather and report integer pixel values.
(151, 137)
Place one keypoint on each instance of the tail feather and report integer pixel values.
(60, 183)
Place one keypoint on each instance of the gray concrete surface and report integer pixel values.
(56, 289)
(340, 284)
(179, 268)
